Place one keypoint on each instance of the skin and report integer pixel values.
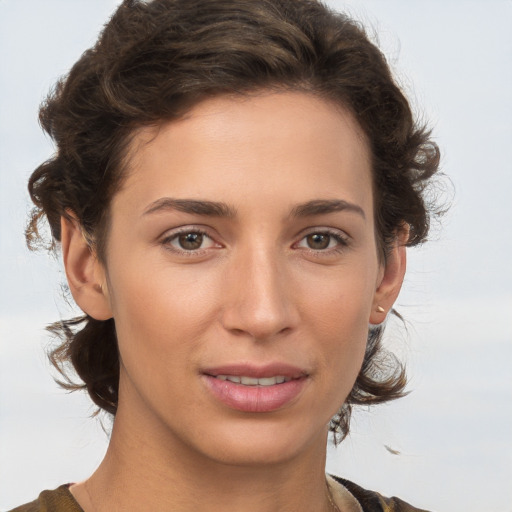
(265, 285)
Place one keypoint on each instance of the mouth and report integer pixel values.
(245, 380)
(252, 389)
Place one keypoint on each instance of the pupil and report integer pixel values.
(191, 241)
(318, 241)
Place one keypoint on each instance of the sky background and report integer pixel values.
(453, 58)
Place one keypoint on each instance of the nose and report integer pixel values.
(259, 297)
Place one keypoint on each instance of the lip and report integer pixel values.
(255, 398)
(257, 371)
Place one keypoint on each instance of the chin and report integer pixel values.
(266, 443)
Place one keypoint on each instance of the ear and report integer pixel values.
(86, 275)
(391, 277)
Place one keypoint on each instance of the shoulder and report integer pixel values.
(372, 501)
(58, 500)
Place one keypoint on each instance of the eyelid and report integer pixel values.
(172, 234)
(341, 236)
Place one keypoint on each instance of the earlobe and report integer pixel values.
(390, 281)
(84, 272)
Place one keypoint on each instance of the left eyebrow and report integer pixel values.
(324, 206)
(193, 206)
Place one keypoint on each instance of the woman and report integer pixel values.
(233, 192)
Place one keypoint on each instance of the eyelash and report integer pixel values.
(166, 242)
(342, 241)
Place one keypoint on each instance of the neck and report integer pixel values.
(145, 469)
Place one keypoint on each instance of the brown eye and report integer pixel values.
(318, 241)
(190, 241)
(323, 242)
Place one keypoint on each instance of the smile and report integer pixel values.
(253, 381)
(256, 388)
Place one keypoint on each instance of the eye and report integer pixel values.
(323, 241)
(189, 241)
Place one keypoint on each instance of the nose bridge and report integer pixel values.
(259, 301)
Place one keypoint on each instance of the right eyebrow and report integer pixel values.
(193, 206)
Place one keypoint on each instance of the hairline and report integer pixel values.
(130, 143)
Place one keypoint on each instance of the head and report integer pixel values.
(160, 63)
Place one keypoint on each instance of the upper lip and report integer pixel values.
(257, 371)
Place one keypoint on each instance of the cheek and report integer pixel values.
(340, 298)
(157, 309)
(337, 316)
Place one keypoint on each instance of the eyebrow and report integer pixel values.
(325, 206)
(220, 209)
(198, 207)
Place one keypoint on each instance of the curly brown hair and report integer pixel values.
(156, 59)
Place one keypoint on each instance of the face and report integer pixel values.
(242, 272)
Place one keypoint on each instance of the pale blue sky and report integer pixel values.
(454, 57)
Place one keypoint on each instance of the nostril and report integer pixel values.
(238, 332)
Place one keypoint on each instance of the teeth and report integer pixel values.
(253, 381)
(249, 381)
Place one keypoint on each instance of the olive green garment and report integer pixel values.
(371, 501)
(58, 500)
(61, 500)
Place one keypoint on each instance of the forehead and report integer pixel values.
(267, 144)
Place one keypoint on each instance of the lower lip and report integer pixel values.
(255, 398)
